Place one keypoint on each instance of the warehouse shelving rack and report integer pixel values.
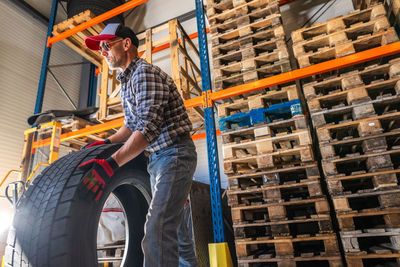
(206, 100)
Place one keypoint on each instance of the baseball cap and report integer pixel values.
(112, 30)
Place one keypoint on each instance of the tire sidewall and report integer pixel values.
(87, 215)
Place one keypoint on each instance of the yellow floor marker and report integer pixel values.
(219, 255)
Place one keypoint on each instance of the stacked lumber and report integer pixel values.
(341, 36)
(280, 214)
(247, 41)
(355, 114)
(358, 132)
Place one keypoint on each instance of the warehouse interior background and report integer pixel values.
(22, 41)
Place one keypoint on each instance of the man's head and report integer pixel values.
(116, 43)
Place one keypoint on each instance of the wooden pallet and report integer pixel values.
(358, 164)
(362, 145)
(393, 10)
(225, 10)
(268, 23)
(295, 228)
(224, 25)
(371, 241)
(261, 36)
(365, 76)
(77, 41)
(366, 219)
(72, 124)
(359, 128)
(274, 193)
(278, 128)
(338, 23)
(307, 247)
(230, 78)
(279, 159)
(266, 145)
(346, 48)
(263, 100)
(296, 208)
(375, 91)
(335, 74)
(370, 200)
(372, 27)
(286, 176)
(251, 64)
(363, 4)
(380, 180)
(341, 113)
(268, 51)
(392, 259)
(331, 261)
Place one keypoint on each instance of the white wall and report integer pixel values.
(22, 41)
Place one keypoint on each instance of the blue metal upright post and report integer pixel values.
(46, 59)
(212, 151)
(219, 251)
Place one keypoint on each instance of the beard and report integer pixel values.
(114, 64)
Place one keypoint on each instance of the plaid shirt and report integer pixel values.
(152, 105)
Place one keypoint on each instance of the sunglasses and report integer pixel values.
(106, 46)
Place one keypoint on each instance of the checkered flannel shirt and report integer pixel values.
(152, 105)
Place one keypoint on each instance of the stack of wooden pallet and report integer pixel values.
(355, 113)
(279, 212)
(358, 31)
(247, 41)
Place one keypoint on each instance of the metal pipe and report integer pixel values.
(62, 89)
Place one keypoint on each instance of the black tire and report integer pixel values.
(55, 226)
(98, 7)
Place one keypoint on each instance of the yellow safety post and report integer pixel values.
(3, 262)
(219, 255)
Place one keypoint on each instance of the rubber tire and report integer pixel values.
(55, 225)
(98, 7)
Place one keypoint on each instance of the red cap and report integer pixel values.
(112, 30)
(93, 42)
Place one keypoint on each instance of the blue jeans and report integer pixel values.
(166, 242)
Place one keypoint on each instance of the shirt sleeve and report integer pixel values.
(151, 98)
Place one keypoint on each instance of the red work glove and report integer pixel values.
(97, 143)
(99, 175)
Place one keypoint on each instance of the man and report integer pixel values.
(155, 121)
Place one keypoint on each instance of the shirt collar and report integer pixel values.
(125, 75)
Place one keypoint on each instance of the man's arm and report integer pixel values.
(121, 135)
(135, 145)
(151, 97)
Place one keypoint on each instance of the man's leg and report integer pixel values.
(187, 256)
(173, 170)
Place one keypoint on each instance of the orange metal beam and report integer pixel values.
(203, 135)
(98, 128)
(107, 15)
